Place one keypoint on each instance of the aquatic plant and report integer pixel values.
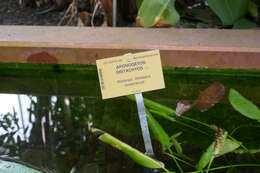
(221, 144)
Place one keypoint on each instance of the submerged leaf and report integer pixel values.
(244, 106)
(158, 131)
(206, 157)
(228, 10)
(207, 99)
(133, 153)
(210, 96)
(158, 13)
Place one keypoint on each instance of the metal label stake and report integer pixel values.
(144, 125)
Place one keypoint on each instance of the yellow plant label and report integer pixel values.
(130, 74)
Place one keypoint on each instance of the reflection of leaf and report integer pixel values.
(229, 11)
(206, 157)
(158, 13)
(244, 106)
(136, 155)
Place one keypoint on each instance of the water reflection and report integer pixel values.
(51, 132)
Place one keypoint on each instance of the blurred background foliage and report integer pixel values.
(239, 14)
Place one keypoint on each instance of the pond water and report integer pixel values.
(45, 111)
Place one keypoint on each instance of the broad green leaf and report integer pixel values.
(155, 106)
(138, 3)
(158, 12)
(12, 167)
(228, 146)
(244, 24)
(206, 157)
(133, 153)
(158, 131)
(244, 106)
(229, 11)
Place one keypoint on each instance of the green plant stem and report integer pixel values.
(166, 170)
(193, 128)
(183, 161)
(229, 166)
(210, 163)
(175, 160)
(196, 121)
(162, 114)
(178, 122)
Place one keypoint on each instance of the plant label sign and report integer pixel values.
(130, 74)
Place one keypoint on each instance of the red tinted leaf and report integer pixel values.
(210, 96)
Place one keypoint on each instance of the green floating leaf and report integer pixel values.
(155, 106)
(11, 167)
(133, 153)
(206, 157)
(229, 11)
(244, 106)
(158, 13)
(244, 24)
(228, 146)
(158, 131)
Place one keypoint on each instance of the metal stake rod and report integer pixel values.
(144, 125)
(114, 12)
